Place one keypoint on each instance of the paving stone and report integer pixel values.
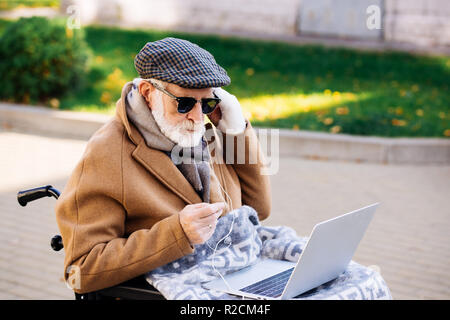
(408, 238)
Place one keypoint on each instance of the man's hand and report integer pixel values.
(227, 116)
(199, 220)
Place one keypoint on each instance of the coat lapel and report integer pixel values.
(163, 169)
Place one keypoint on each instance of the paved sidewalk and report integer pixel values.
(408, 240)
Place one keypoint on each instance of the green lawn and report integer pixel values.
(293, 86)
(13, 4)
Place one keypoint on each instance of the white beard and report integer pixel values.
(178, 133)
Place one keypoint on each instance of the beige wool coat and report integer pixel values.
(119, 212)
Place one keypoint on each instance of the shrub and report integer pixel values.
(40, 59)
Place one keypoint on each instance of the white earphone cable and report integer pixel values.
(230, 204)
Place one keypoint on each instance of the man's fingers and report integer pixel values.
(202, 212)
(199, 205)
(199, 220)
(208, 231)
(209, 209)
(218, 205)
(217, 208)
(212, 216)
(210, 220)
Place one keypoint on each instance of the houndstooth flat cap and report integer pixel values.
(180, 62)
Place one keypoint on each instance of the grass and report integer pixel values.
(292, 86)
(13, 4)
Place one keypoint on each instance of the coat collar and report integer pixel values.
(155, 161)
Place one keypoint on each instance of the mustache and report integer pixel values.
(190, 125)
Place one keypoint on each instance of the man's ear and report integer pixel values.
(145, 89)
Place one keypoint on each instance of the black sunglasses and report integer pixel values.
(186, 104)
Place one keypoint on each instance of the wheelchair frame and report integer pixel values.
(134, 289)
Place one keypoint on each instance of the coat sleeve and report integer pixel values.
(242, 153)
(91, 218)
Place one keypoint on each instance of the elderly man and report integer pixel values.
(131, 205)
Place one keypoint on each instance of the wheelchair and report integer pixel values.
(134, 289)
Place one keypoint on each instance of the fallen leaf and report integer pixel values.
(335, 129)
(328, 121)
(398, 122)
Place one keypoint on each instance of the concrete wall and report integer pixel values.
(340, 18)
(421, 22)
(267, 16)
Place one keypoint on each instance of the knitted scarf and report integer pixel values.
(196, 170)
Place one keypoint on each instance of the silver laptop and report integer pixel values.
(326, 255)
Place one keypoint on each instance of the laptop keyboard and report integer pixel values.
(270, 287)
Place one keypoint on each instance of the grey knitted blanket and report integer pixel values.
(247, 242)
